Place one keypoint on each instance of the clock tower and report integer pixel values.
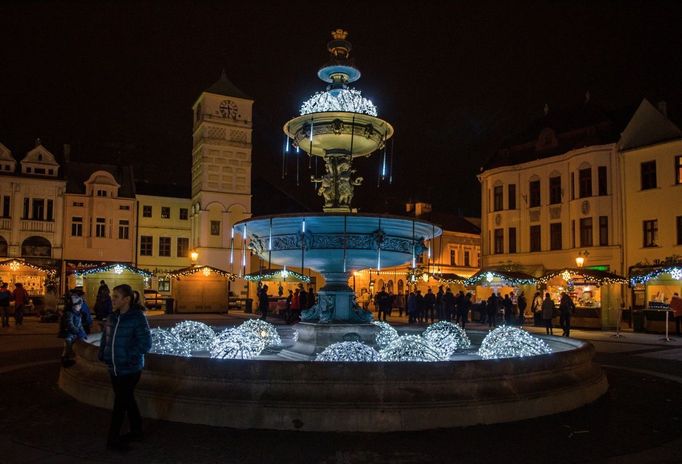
(221, 172)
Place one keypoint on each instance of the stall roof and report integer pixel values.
(23, 262)
(601, 277)
(641, 274)
(277, 275)
(450, 278)
(117, 268)
(188, 271)
(511, 277)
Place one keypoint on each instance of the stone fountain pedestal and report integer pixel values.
(335, 318)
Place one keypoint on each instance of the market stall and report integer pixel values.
(279, 282)
(652, 289)
(596, 295)
(35, 279)
(504, 282)
(200, 289)
(112, 274)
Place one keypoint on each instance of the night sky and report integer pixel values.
(117, 80)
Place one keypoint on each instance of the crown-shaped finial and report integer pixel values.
(339, 34)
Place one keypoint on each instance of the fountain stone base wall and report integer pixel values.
(349, 397)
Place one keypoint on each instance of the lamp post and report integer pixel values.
(194, 256)
(579, 261)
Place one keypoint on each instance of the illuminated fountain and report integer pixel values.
(344, 372)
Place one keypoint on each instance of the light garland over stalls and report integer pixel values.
(280, 274)
(597, 277)
(488, 277)
(412, 348)
(385, 335)
(196, 335)
(14, 265)
(511, 342)
(447, 336)
(115, 268)
(674, 271)
(266, 331)
(347, 100)
(206, 270)
(348, 352)
(164, 342)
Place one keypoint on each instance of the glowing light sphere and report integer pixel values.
(235, 345)
(349, 100)
(676, 273)
(264, 330)
(511, 342)
(447, 336)
(385, 335)
(348, 352)
(164, 342)
(224, 336)
(412, 348)
(197, 335)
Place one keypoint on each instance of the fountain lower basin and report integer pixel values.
(351, 397)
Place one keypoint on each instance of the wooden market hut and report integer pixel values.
(200, 289)
(112, 275)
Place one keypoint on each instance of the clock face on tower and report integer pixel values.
(228, 109)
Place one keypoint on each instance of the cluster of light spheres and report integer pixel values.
(447, 336)
(412, 348)
(196, 335)
(511, 342)
(348, 100)
(164, 342)
(266, 331)
(236, 344)
(348, 352)
(385, 335)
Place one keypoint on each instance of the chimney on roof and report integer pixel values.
(663, 108)
(67, 152)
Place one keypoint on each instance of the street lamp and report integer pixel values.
(579, 261)
(194, 256)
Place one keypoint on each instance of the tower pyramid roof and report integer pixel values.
(224, 86)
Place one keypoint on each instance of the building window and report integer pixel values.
(573, 186)
(511, 196)
(183, 247)
(467, 261)
(76, 226)
(585, 182)
(586, 232)
(101, 193)
(183, 214)
(6, 206)
(603, 182)
(554, 190)
(679, 230)
(123, 229)
(453, 257)
(512, 240)
(124, 207)
(534, 188)
(535, 238)
(146, 245)
(555, 240)
(38, 209)
(497, 198)
(27, 203)
(650, 233)
(499, 241)
(648, 174)
(164, 285)
(678, 169)
(164, 246)
(78, 203)
(165, 212)
(50, 210)
(603, 231)
(146, 211)
(101, 228)
(215, 227)
(573, 233)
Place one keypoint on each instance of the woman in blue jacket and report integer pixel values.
(125, 340)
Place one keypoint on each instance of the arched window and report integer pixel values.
(35, 246)
(3, 247)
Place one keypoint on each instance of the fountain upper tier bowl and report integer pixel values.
(337, 242)
(339, 132)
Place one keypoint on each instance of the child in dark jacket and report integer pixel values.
(126, 338)
(71, 327)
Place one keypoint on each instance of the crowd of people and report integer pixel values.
(296, 301)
